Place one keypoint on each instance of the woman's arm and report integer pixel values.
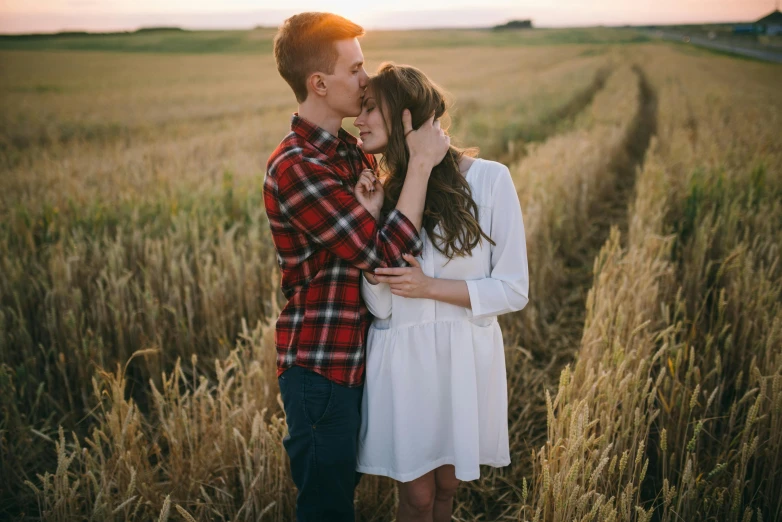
(377, 297)
(412, 282)
(450, 291)
(507, 287)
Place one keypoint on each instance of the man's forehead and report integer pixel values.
(349, 51)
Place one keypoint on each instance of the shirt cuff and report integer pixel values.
(412, 240)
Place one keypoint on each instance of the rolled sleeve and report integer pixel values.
(507, 287)
(314, 200)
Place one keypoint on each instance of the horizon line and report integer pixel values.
(163, 27)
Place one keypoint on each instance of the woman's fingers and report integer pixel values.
(369, 177)
(367, 180)
(393, 280)
(407, 121)
(391, 271)
(387, 279)
(402, 291)
(412, 260)
(366, 185)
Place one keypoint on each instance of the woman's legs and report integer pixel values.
(428, 498)
(445, 484)
(416, 499)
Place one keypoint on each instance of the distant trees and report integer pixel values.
(514, 24)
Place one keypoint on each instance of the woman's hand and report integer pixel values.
(370, 278)
(427, 144)
(369, 192)
(406, 282)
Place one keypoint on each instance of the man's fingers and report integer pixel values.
(407, 121)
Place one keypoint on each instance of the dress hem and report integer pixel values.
(412, 475)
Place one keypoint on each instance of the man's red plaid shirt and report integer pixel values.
(324, 238)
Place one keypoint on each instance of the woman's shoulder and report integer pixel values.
(487, 173)
(492, 168)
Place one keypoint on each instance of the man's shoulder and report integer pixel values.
(294, 150)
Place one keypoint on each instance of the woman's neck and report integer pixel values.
(465, 163)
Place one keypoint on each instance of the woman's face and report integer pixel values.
(372, 127)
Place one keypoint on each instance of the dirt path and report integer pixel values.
(563, 333)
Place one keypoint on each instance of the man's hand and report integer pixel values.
(428, 144)
(406, 282)
(369, 193)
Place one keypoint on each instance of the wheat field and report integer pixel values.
(139, 287)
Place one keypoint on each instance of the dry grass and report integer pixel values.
(132, 220)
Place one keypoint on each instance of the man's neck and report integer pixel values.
(321, 116)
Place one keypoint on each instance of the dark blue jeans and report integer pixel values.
(323, 420)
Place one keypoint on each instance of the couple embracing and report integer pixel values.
(390, 359)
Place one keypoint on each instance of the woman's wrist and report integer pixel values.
(420, 165)
(430, 288)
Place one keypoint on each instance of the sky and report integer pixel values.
(24, 16)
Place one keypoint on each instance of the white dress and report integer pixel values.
(436, 389)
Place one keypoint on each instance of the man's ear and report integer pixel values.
(318, 84)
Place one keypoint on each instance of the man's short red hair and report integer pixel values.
(305, 45)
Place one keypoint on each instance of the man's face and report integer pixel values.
(347, 84)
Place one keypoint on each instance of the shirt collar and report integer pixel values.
(320, 138)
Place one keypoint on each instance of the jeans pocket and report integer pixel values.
(316, 394)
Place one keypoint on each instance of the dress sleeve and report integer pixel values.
(377, 298)
(507, 287)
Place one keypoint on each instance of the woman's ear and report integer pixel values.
(318, 84)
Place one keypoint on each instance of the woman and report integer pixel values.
(435, 397)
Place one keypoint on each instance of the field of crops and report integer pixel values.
(138, 284)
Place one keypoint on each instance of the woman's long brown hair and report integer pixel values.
(449, 201)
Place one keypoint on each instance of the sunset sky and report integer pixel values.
(19, 16)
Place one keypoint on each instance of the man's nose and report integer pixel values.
(364, 78)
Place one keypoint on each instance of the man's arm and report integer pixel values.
(313, 200)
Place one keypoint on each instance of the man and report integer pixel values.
(325, 237)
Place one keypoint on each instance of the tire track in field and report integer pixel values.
(552, 124)
(563, 333)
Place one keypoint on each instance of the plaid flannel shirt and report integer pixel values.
(324, 238)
